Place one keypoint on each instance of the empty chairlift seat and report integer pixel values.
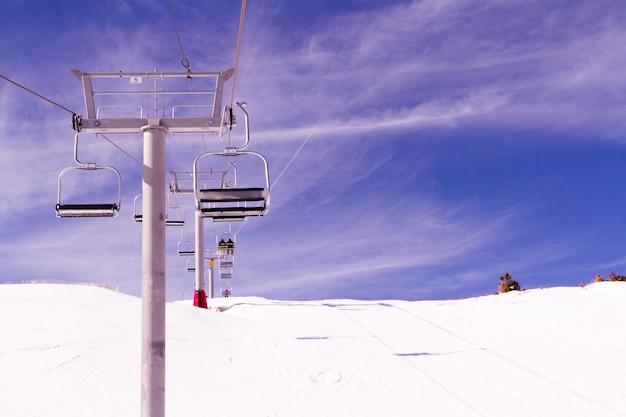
(234, 197)
(88, 209)
(185, 247)
(138, 216)
(227, 204)
(96, 174)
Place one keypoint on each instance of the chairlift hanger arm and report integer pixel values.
(247, 125)
(85, 165)
(231, 122)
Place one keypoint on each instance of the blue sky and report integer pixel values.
(449, 141)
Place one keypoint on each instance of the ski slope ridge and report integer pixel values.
(75, 351)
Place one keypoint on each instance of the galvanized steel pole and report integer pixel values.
(199, 296)
(153, 271)
(211, 278)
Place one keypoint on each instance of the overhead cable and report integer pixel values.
(295, 155)
(236, 68)
(184, 59)
(38, 95)
(67, 110)
(239, 37)
(120, 149)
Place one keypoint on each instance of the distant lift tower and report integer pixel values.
(152, 104)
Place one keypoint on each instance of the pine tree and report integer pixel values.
(507, 284)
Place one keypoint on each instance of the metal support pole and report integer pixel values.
(199, 296)
(153, 272)
(211, 278)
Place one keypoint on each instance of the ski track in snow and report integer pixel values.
(389, 345)
(568, 393)
(389, 340)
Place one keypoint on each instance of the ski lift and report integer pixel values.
(185, 247)
(136, 211)
(180, 221)
(168, 222)
(64, 209)
(226, 264)
(227, 291)
(234, 198)
(191, 265)
(231, 201)
(226, 242)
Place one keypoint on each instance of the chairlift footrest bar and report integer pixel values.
(174, 222)
(139, 219)
(227, 218)
(87, 210)
(231, 213)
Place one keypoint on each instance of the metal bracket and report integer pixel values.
(230, 119)
(77, 122)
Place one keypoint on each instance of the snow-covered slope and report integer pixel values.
(75, 351)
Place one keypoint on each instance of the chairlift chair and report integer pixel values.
(226, 242)
(226, 265)
(65, 209)
(185, 247)
(168, 222)
(231, 202)
(137, 216)
(191, 265)
(226, 291)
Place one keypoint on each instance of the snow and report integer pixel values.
(75, 351)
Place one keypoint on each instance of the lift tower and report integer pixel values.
(153, 105)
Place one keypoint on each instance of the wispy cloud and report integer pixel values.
(429, 62)
(375, 244)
